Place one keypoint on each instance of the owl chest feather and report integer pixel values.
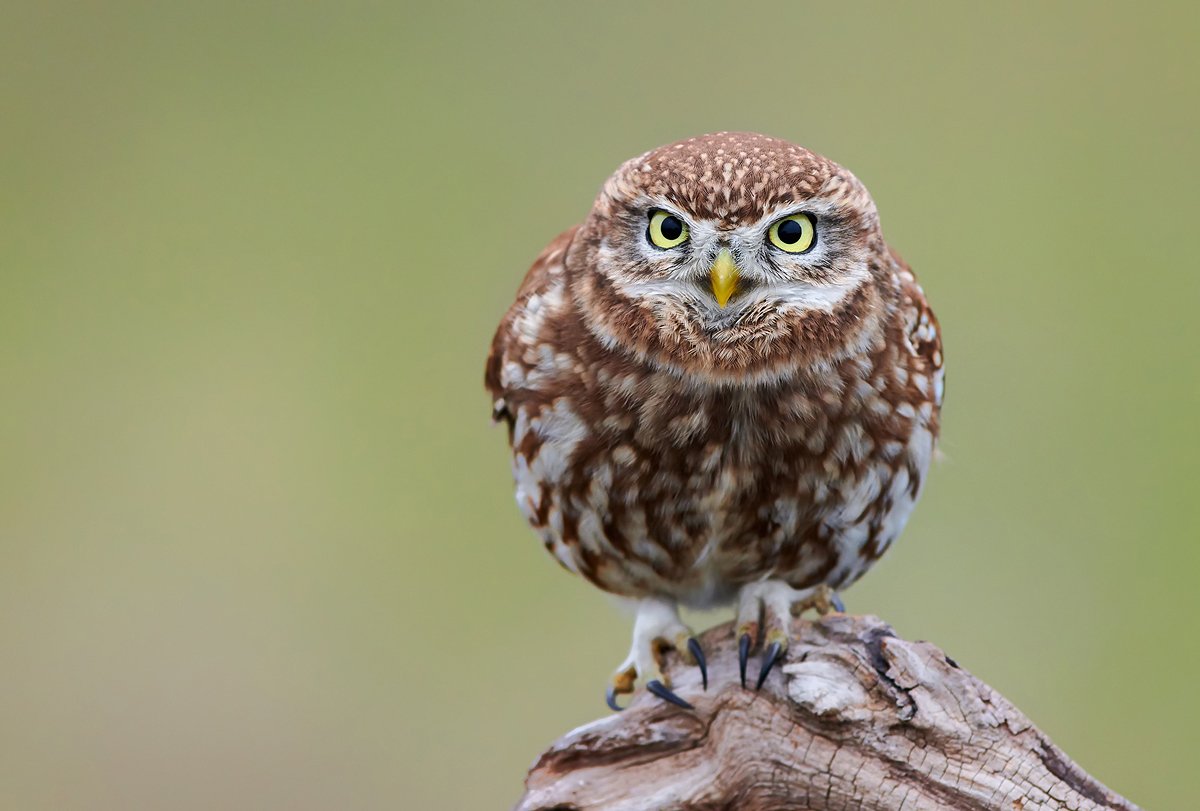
(644, 483)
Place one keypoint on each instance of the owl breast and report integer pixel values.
(645, 484)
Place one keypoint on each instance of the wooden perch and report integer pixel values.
(858, 719)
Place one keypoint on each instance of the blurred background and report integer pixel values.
(258, 547)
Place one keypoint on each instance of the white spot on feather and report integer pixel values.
(561, 431)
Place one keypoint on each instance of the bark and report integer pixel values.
(857, 719)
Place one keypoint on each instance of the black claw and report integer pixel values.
(662, 691)
(769, 660)
(837, 603)
(743, 655)
(698, 654)
(610, 698)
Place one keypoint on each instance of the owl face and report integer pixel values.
(731, 256)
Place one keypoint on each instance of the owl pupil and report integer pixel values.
(790, 231)
(671, 227)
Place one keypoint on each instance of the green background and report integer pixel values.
(257, 540)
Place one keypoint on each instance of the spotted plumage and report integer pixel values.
(672, 447)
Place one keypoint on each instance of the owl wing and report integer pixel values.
(921, 330)
(519, 330)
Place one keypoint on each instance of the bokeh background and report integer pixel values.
(257, 542)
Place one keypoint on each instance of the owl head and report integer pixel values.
(732, 257)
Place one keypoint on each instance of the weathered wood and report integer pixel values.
(858, 719)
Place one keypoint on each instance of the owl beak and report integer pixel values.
(724, 276)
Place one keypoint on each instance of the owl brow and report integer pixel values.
(651, 206)
(637, 216)
(819, 210)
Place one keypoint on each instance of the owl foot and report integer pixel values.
(656, 630)
(822, 598)
(767, 607)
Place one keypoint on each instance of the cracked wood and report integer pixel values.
(858, 719)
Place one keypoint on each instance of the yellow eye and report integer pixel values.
(794, 234)
(666, 230)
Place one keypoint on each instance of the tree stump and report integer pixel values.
(856, 719)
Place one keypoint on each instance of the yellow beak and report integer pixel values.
(724, 275)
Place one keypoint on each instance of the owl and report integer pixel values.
(723, 387)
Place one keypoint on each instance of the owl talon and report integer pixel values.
(772, 656)
(693, 646)
(666, 694)
(767, 607)
(657, 630)
(821, 599)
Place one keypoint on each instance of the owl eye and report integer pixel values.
(794, 234)
(666, 230)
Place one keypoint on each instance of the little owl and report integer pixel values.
(723, 386)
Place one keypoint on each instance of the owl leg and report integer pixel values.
(657, 629)
(765, 610)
